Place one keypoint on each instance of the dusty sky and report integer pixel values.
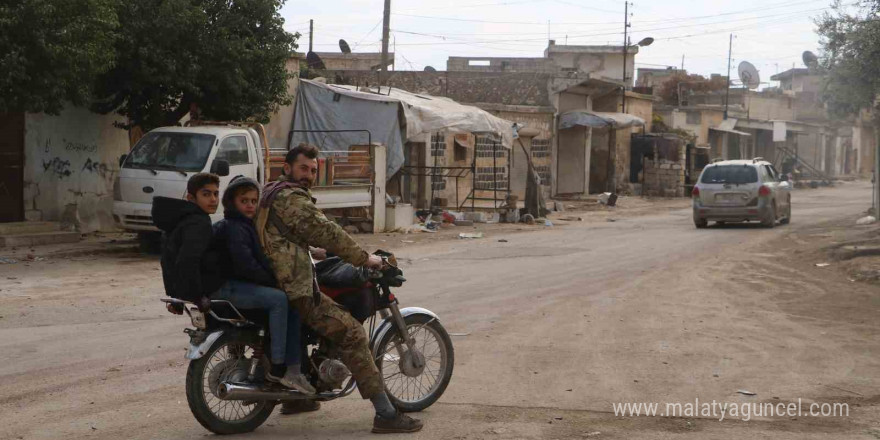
(771, 34)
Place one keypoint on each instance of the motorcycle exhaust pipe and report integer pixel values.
(231, 391)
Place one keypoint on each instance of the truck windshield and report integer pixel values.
(171, 151)
(732, 174)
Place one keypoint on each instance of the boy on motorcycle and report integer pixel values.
(189, 270)
(252, 285)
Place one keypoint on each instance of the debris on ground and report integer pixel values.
(866, 220)
(548, 223)
(502, 241)
(464, 223)
(608, 199)
(528, 219)
(823, 264)
(746, 392)
(470, 235)
(4, 260)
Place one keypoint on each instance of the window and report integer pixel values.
(171, 151)
(460, 152)
(234, 150)
(438, 145)
(732, 174)
(540, 148)
(694, 118)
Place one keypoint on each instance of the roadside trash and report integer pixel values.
(572, 219)
(502, 241)
(407, 241)
(460, 334)
(866, 220)
(426, 229)
(823, 264)
(746, 392)
(528, 219)
(608, 199)
(592, 434)
(611, 220)
(548, 223)
(464, 223)
(8, 260)
(470, 235)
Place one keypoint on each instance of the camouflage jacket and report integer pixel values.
(306, 226)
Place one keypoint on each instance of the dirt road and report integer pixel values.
(555, 325)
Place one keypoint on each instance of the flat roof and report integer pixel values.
(790, 73)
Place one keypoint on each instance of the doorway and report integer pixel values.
(11, 167)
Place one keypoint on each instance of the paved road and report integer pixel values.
(557, 325)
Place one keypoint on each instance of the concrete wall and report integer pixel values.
(500, 64)
(349, 61)
(663, 178)
(677, 118)
(71, 162)
(466, 87)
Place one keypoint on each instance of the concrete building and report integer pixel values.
(60, 168)
(653, 78)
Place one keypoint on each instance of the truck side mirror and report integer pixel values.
(220, 167)
(122, 159)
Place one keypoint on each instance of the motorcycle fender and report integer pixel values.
(386, 325)
(197, 351)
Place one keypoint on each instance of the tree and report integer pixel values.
(227, 58)
(51, 51)
(669, 89)
(850, 57)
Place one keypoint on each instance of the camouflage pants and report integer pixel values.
(335, 324)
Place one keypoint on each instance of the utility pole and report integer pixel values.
(682, 62)
(625, 43)
(727, 96)
(311, 33)
(386, 23)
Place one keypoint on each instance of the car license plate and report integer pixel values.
(727, 198)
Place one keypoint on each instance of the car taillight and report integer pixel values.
(764, 191)
(696, 192)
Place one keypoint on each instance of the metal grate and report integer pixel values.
(540, 148)
(438, 145)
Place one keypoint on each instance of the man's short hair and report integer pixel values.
(308, 150)
(199, 181)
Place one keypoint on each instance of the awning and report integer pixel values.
(727, 127)
(463, 140)
(585, 118)
(323, 112)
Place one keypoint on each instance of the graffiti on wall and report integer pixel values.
(98, 168)
(57, 167)
(78, 147)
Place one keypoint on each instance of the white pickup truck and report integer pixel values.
(165, 158)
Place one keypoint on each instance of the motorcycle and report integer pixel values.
(225, 381)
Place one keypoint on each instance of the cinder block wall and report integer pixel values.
(663, 177)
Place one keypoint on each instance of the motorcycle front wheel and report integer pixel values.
(228, 360)
(415, 380)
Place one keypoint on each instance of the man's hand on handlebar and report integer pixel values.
(375, 262)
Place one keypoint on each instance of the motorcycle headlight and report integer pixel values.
(117, 190)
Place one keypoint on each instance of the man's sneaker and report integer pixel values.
(299, 406)
(399, 423)
(297, 381)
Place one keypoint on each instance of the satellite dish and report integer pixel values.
(343, 46)
(810, 59)
(748, 74)
(430, 69)
(314, 61)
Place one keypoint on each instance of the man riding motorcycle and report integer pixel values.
(288, 223)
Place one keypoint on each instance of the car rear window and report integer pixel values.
(733, 174)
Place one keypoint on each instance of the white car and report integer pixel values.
(741, 191)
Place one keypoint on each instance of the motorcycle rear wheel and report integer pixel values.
(414, 393)
(228, 359)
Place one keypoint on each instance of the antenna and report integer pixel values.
(810, 59)
(344, 47)
(314, 61)
(749, 76)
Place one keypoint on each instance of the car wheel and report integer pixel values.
(770, 221)
(787, 218)
(701, 223)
